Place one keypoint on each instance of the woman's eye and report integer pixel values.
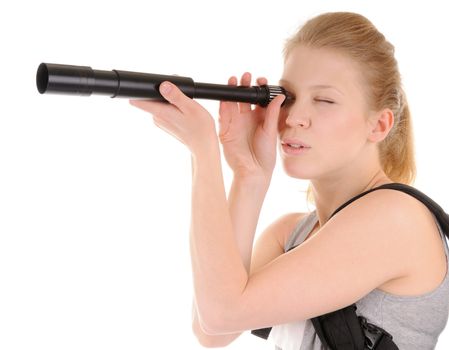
(325, 101)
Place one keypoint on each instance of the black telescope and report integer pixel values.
(83, 80)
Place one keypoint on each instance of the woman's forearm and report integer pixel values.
(219, 273)
(244, 202)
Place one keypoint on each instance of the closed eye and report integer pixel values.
(325, 101)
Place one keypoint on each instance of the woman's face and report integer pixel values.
(329, 113)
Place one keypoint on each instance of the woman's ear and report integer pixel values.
(380, 125)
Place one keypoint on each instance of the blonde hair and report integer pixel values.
(354, 35)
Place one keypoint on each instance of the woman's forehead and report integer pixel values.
(314, 67)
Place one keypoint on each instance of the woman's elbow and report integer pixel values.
(211, 339)
(210, 342)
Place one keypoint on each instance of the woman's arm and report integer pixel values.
(245, 201)
(218, 269)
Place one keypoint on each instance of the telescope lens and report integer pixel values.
(42, 78)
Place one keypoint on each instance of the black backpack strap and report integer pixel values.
(344, 330)
(376, 337)
(340, 329)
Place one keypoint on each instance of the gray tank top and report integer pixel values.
(415, 322)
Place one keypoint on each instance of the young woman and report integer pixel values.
(348, 130)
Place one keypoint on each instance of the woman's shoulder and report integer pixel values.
(398, 208)
(403, 207)
(419, 243)
(401, 221)
(392, 211)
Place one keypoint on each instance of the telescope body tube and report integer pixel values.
(83, 80)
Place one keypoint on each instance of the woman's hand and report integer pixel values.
(183, 117)
(249, 136)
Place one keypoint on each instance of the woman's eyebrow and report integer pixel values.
(325, 87)
(312, 87)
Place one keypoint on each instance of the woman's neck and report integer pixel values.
(329, 195)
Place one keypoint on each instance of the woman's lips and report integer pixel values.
(295, 142)
(294, 151)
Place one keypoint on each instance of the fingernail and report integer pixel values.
(165, 87)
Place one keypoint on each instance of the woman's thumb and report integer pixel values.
(270, 123)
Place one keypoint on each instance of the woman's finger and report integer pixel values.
(245, 80)
(156, 108)
(229, 107)
(232, 80)
(262, 81)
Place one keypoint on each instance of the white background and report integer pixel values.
(95, 199)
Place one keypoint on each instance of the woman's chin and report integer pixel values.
(297, 172)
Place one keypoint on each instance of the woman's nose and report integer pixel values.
(295, 119)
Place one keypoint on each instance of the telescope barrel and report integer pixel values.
(83, 80)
